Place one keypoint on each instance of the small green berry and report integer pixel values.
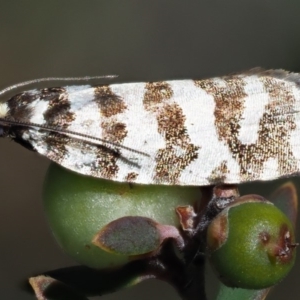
(251, 244)
(77, 207)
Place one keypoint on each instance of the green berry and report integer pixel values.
(77, 207)
(251, 244)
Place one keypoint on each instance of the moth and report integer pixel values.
(230, 129)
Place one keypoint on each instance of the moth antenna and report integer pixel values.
(70, 133)
(28, 82)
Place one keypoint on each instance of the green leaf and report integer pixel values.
(285, 198)
(80, 282)
(227, 293)
(48, 288)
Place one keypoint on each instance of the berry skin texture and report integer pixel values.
(77, 207)
(251, 245)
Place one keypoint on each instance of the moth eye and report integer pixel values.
(251, 245)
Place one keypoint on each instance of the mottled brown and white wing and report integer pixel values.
(230, 129)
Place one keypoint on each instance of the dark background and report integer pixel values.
(138, 40)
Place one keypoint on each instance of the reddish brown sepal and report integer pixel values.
(248, 198)
(186, 216)
(282, 250)
(217, 232)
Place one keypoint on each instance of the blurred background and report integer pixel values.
(139, 41)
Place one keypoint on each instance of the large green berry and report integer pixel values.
(77, 207)
(251, 244)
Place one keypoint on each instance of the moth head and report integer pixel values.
(3, 110)
(3, 124)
